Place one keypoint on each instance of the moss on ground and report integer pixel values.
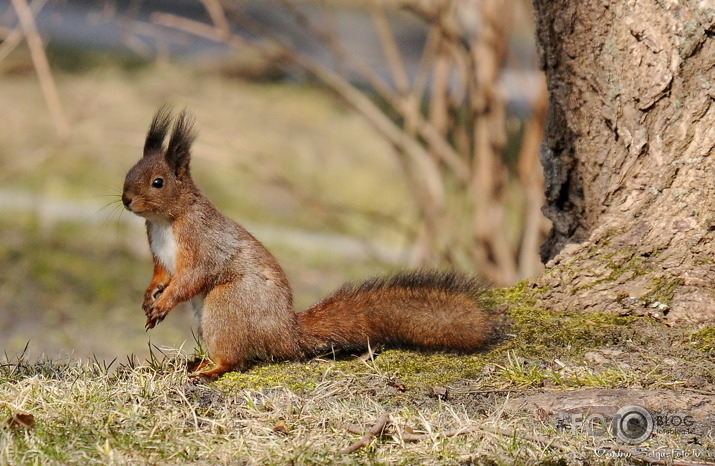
(295, 376)
(401, 369)
(538, 332)
(662, 290)
(704, 339)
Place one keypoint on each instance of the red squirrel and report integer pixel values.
(240, 295)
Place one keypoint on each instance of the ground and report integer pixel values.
(515, 402)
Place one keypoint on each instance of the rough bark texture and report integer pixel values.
(628, 155)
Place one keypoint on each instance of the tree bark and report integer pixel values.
(628, 156)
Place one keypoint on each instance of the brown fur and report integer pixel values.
(423, 309)
(241, 298)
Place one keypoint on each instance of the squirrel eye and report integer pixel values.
(157, 183)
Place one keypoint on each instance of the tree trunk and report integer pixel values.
(628, 155)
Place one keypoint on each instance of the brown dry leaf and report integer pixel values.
(280, 427)
(400, 387)
(20, 421)
(406, 428)
(541, 415)
(441, 393)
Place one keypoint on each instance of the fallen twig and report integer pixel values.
(410, 437)
(376, 429)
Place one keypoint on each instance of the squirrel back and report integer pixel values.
(241, 298)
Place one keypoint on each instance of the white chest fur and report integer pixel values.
(163, 245)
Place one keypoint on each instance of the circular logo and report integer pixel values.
(632, 424)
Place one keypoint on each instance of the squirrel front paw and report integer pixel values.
(156, 312)
(153, 317)
(151, 323)
(150, 296)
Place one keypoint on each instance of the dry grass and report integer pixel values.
(303, 412)
(148, 413)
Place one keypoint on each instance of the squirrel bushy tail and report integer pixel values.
(423, 309)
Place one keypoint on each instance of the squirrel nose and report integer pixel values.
(126, 200)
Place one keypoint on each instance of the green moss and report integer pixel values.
(622, 265)
(704, 339)
(662, 290)
(699, 261)
(415, 369)
(539, 332)
(609, 234)
(635, 265)
(294, 376)
(410, 369)
(522, 373)
(521, 294)
(621, 262)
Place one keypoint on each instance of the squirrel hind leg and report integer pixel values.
(197, 364)
(220, 368)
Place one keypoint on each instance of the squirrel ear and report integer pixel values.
(178, 154)
(157, 131)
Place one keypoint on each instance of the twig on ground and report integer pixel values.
(410, 437)
(376, 429)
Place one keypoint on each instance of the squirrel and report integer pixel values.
(240, 296)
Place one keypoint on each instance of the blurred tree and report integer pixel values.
(629, 155)
(446, 121)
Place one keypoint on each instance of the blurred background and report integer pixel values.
(352, 138)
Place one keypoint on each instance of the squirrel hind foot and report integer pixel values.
(220, 368)
(197, 364)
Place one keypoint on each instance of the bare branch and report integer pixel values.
(218, 16)
(42, 67)
(455, 148)
(10, 43)
(392, 51)
(341, 54)
(13, 37)
(440, 147)
(355, 98)
(419, 84)
(196, 28)
(531, 179)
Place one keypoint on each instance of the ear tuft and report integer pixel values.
(157, 131)
(178, 154)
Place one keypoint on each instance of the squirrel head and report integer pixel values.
(157, 186)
